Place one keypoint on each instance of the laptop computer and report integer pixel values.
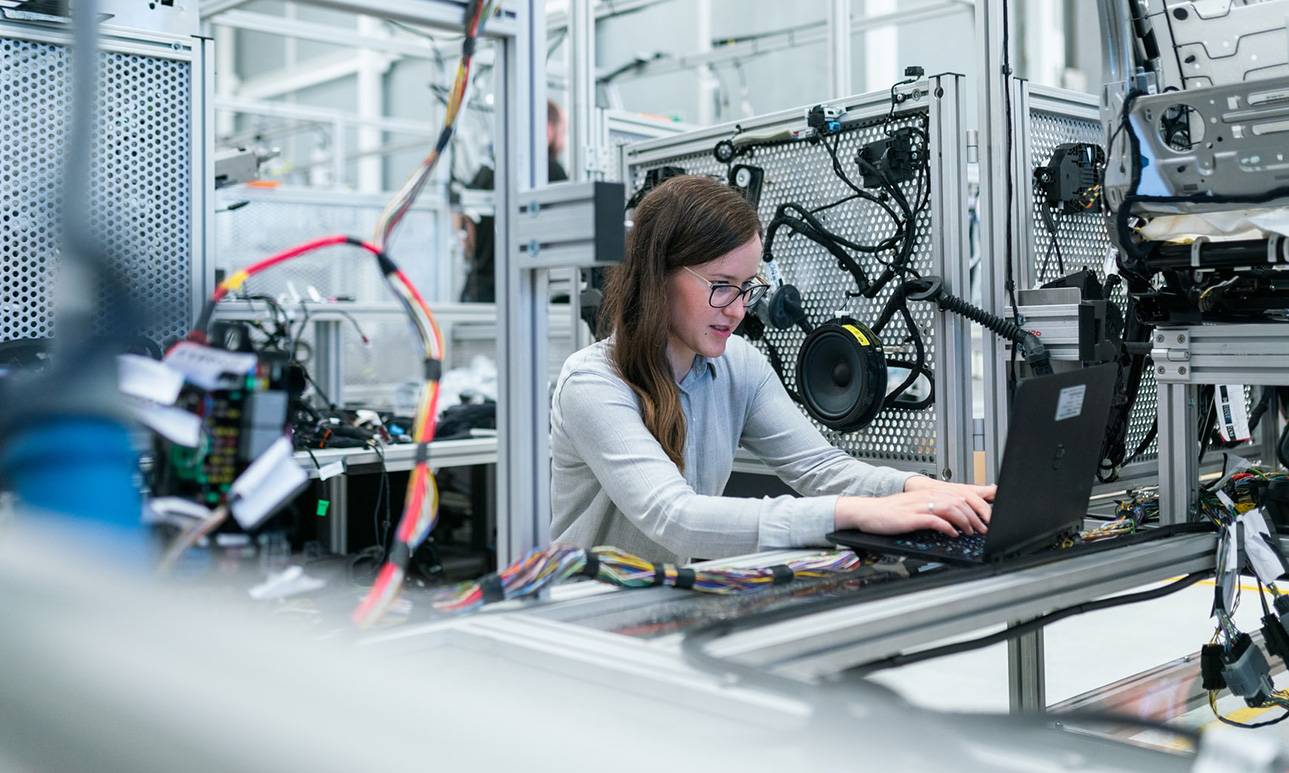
(1053, 444)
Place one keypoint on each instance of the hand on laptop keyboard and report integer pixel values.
(938, 509)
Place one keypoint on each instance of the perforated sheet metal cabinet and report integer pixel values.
(149, 169)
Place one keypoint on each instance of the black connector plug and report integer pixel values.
(1275, 638)
(1210, 667)
(825, 120)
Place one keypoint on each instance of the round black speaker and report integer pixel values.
(841, 374)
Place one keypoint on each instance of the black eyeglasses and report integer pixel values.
(724, 293)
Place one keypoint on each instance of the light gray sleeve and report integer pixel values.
(602, 419)
(776, 431)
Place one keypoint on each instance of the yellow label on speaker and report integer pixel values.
(863, 340)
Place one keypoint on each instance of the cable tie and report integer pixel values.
(445, 137)
(422, 453)
(685, 578)
(592, 566)
(782, 574)
(659, 574)
(400, 555)
(433, 369)
(492, 588)
(467, 47)
(387, 266)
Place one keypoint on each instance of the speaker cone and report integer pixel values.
(841, 373)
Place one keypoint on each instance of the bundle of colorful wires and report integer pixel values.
(421, 504)
(544, 567)
(1130, 515)
(540, 568)
(476, 16)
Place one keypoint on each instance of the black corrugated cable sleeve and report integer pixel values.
(1032, 349)
(821, 237)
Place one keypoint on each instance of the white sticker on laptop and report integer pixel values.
(1069, 403)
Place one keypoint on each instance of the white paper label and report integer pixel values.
(1232, 413)
(148, 379)
(288, 582)
(1069, 403)
(174, 424)
(204, 366)
(1263, 558)
(328, 471)
(1225, 500)
(266, 485)
(173, 509)
(1111, 265)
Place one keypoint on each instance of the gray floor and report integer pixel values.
(1089, 651)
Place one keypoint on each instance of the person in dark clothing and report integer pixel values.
(480, 242)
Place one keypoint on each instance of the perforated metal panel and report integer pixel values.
(1084, 243)
(275, 220)
(802, 173)
(142, 195)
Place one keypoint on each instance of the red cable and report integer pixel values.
(281, 257)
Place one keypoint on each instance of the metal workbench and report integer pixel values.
(840, 625)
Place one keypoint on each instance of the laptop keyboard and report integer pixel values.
(966, 545)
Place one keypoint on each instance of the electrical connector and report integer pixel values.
(1275, 637)
(1246, 672)
(825, 119)
(1275, 629)
(1210, 667)
(891, 160)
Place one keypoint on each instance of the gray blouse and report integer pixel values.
(612, 483)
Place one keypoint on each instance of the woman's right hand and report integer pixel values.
(910, 511)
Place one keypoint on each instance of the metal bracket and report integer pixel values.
(1171, 355)
(576, 225)
(1247, 353)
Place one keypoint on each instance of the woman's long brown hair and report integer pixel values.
(685, 221)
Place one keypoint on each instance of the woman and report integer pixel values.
(645, 423)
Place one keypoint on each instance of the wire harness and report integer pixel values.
(476, 16)
(421, 503)
(544, 567)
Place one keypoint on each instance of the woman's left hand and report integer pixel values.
(977, 497)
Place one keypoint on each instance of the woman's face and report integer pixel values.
(695, 325)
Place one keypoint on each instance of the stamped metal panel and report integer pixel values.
(147, 173)
(936, 440)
